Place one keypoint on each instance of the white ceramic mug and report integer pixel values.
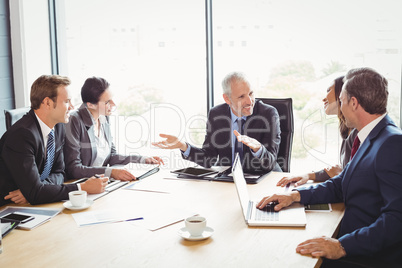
(196, 225)
(78, 198)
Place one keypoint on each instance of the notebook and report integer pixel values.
(292, 216)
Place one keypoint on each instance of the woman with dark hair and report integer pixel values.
(331, 107)
(89, 147)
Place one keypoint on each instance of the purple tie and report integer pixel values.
(355, 146)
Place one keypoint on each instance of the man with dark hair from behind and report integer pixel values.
(370, 185)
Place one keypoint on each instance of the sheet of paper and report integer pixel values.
(103, 216)
(94, 217)
(93, 197)
(159, 219)
(151, 185)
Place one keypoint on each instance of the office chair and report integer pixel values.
(14, 115)
(285, 110)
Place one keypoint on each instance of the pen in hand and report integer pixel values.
(101, 176)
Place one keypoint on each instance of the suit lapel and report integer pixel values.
(87, 120)
(41, 141)
(352, 165)
(361, 152)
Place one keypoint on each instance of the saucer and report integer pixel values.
(186, 235)
(68, 205)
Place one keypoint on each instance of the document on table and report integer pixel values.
(102, 216)
(158, 219)
(152, 185)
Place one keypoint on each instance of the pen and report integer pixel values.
(100, 176)
(135, 219)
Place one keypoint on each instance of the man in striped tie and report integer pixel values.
(31, 159)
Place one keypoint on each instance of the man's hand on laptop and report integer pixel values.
(281, 200)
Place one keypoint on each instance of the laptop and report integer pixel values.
(292, 216)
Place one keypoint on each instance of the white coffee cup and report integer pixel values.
(196, 225)
(78, 198)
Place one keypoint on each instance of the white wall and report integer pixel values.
(30, 45)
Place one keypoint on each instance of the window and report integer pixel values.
(153, 54)
(296, 48)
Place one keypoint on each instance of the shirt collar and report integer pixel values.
(234, 117)
(43, 127)
(102, 118)
(365, 131)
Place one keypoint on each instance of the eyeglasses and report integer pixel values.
(110, 102)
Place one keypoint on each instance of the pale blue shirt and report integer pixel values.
(233, 138)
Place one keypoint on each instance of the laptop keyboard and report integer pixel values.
(267, 214)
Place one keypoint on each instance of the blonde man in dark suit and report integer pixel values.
(23, 175)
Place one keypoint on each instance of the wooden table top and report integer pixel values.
(61, 243)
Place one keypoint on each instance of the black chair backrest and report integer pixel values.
(285, 111)
(14, 115)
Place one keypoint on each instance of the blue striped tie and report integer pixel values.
(49, 156)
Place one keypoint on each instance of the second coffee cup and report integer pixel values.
(196, 225)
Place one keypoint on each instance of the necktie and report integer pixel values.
(355, 146)
(239, 145)
(49, 156)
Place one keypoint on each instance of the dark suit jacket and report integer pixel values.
(371, 188)
(262, 125)
(80, 148)
(23, 158)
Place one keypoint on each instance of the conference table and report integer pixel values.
(62, 243)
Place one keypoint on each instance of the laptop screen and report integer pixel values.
(241, 185)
